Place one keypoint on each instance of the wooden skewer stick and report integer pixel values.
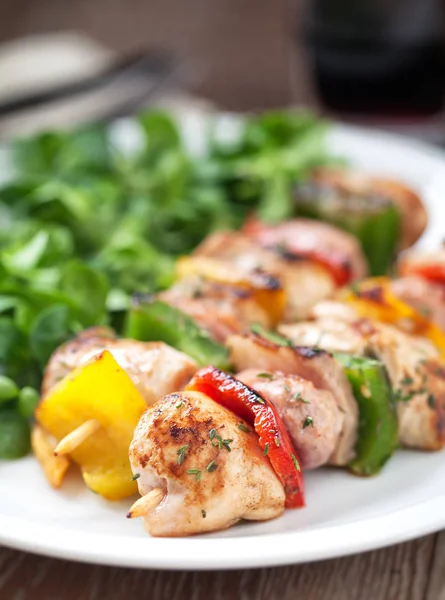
(142, 506)
(54, 467)
(71, 441)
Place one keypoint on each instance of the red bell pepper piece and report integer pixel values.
(434, 272)
(263, 416)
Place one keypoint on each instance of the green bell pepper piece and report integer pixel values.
(375, 221)
(158, 321)
(378, 425)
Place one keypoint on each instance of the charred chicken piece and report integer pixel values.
(305, 282)
(337, 251)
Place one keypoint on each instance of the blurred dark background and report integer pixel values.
(360, 59)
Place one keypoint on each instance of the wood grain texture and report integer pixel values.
(234, 52)
(401, 572)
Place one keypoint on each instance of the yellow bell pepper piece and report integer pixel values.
(266, 289)
(103, 391)
(373, 299)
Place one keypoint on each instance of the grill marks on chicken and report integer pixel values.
(319, 367)
(154, 367)
(413, 364)
(310, 238)
(304, 281)
(206, 487)
(311, 415)
(219, 309)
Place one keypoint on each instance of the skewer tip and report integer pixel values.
(145, 504)
(74, 439)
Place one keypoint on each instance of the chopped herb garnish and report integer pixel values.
(212, 466)
(196, 472)
(243, 427)
(271, 336)
(431, 401)
(407, 381)
(135, 476)
(308, 422)
(299, 397)
(296, 463)
(355, 289)
(277, 441)
(424, 310)
(287, 388)
(265, 375)
(220, 443)
(266, 449)
(400, 396)
(204, 514)
(181, 453)
(178, 405)
(212, 433)
(259, 399)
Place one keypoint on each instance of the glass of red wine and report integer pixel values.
(378, 57)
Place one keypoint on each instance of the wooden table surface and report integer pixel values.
(242, 54)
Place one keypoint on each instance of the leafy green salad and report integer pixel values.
(86, 222)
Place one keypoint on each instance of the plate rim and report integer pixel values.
(215, 553)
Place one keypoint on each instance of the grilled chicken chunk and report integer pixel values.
(251, 351)
(424, 296)
(414, 367)
(155, 368)
(219, 309)
(206, 487)
(331, 329)
(307, 237)
(304, 281)
(311, 415)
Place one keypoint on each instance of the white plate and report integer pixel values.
(344, 514)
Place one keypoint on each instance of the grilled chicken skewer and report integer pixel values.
(413, 363)
(95, 389)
